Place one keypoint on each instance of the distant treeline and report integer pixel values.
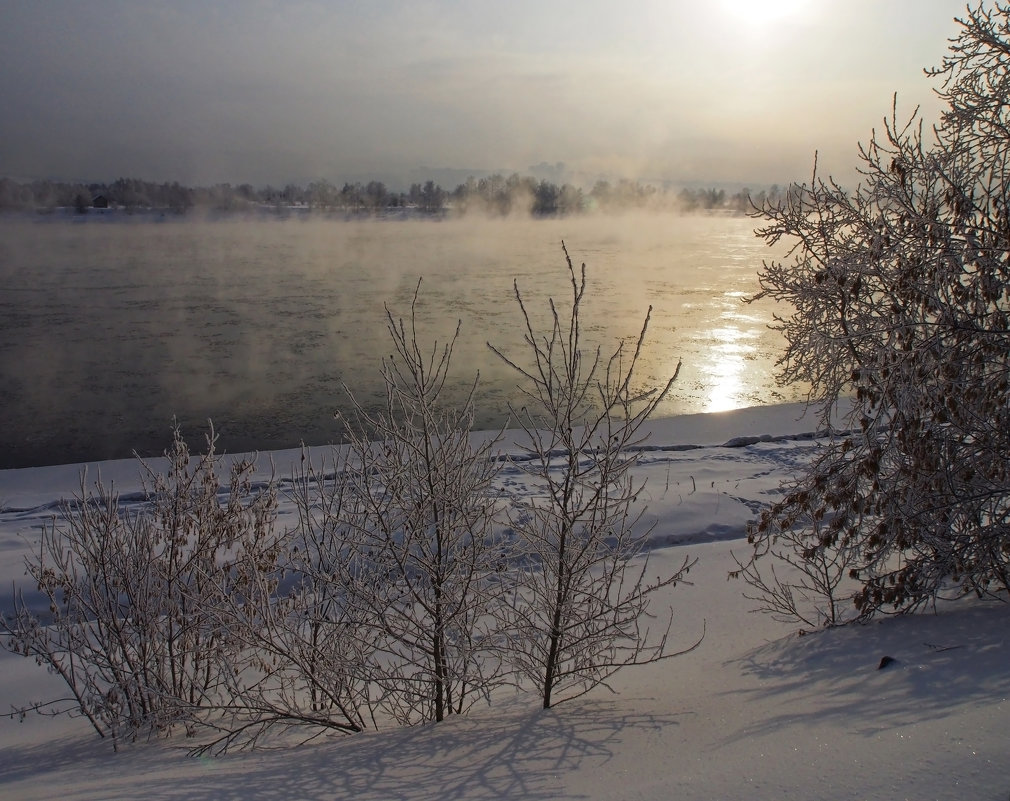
(495, 195)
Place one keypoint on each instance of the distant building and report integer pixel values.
(100, 202)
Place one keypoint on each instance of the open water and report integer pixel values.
(110, 329)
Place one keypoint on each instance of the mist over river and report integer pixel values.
(108, 330)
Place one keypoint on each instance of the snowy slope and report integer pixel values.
(755, 712)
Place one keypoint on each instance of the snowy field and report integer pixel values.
(755, 712)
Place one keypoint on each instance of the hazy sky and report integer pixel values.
(272, 91)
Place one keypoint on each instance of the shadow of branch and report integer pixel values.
(939, 662)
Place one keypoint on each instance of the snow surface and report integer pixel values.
(755, 712)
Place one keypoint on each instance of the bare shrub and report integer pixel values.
(423, 563)
(130, 596)
(399, 570)
(382, 606)
(795, 577)
(580, 611)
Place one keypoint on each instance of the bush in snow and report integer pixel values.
(900, 293)
(421, 567)
(300, 661)
(132, 598)
(382, 606)
(580, 611)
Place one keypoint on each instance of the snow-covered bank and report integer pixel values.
(31, 487)
(754, 712)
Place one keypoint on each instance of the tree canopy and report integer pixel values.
(900, 301)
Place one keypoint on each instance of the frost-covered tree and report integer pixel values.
(132, 598)
(580, 611)
(301, 661)
(900, 299)
(414, 559)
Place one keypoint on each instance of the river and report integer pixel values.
(110, 329)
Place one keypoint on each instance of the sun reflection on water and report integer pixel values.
(729, 351)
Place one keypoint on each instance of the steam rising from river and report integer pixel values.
(108, 330)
